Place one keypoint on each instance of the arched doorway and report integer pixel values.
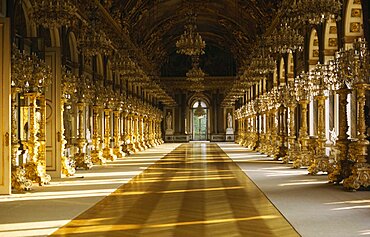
(200, 121)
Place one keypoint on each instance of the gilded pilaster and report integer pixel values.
(303, 157)
(291, 154)
(321, 160)
(341, 166)
(96, 152)
(117, 135)
(107, 151)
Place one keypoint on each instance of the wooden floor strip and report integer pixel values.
(196, 190)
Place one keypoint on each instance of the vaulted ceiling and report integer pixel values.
(229, 27)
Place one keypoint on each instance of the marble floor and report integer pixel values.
(196, 190)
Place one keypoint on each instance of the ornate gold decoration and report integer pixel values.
(333, 30)
(355, 27)
(333, 42)
(356, 12)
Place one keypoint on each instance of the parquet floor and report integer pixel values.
(196, 190)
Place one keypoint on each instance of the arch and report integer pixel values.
(109, 72)
(202, 104)
(313, 48)
(55, 37)
(275, 77)
(73, 47)
(282, 78)
(99, 65)
(353, 21)
(290, 67)
(30, 25)
(199, 96)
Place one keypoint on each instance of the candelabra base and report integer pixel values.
(342, 166)
(19, 180)
(35, 172)
(68, 167)
(360, 177)
(302, 159)
(131, 148)
(320, 163)
(108, 154)
(286, 159)
(97, 157)
(83, 161)
(118, 152)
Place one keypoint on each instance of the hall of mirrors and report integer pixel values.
(104, 79)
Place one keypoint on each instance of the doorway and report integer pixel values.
(200, 121)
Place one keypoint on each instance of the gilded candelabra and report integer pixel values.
(290, 101)
(117, 126)
(34, 89)
(320, 82)
(109, 105)
(98, 105)
(303, 93)
(360, 172)
(84, 96)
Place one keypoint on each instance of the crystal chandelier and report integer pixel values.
(126, 66)
(53, 13)
(190, 42)
(317, 11)
(262, 64)
(285, 40)
(92, 43)
(195, 74)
